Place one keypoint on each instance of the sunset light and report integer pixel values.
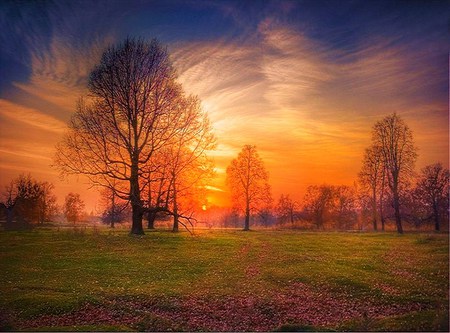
(224, 165)
(306, 100)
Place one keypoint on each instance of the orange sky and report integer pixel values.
(308, 107)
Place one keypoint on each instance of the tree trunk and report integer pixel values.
(175, 210)
(9, 217)
(175, 222)
(374, 209)
(136, 226)
(135, 196)
(113, 209)
(383, 220)
(151, 216)
(437, 227)
(247, 218)
(398, 220)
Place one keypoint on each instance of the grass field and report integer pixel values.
(223, 280)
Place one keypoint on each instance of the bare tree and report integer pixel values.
(177, 173)
(433, 191)
(47, 206)
(248, 182)
(398, 153)
(345, 207)
(136, 110)
(114, 209)
(372, 177)
(319, 203)
(286, 208)
(189, 165)
(73, 207)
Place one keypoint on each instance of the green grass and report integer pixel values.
(50, 272)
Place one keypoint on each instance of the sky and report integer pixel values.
(304, 81)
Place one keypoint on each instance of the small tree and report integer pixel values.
(114, 209)
(373, 180)
(28, 200)
(247, 179)
(286, 208)
(47, 206)
(395, 141)
(433, 192)
(73, 207)
(319, 203)
(345, 207)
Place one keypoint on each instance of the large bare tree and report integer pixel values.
(136, 108)
(395, 141)
(248, 182)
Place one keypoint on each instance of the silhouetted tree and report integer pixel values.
(46, 204)
(114, 209)
(319, 203)
(188, 165)
(29, 200)
(345, 207)
(395, 141)
(373, 179)
(73, 207)
(433, 192)
(137, 108)
(248, 182)
(286, 208)
(9, 200)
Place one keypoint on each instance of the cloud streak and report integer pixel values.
(31, 117)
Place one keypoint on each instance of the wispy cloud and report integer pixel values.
(308, 107)
(31, 117)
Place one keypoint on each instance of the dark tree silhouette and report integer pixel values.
(248, 182)
(373, 179)
(28, 200)
(433, 191)
(319, 203)
(73, 207)
(395, 141)
(136, 109)
(115, 210)
(286, 208)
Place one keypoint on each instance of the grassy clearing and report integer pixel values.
(107, 280)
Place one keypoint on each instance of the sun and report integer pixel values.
(204, 207)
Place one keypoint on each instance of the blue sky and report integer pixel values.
(303, 80)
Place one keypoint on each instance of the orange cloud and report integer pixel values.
(309, 109)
